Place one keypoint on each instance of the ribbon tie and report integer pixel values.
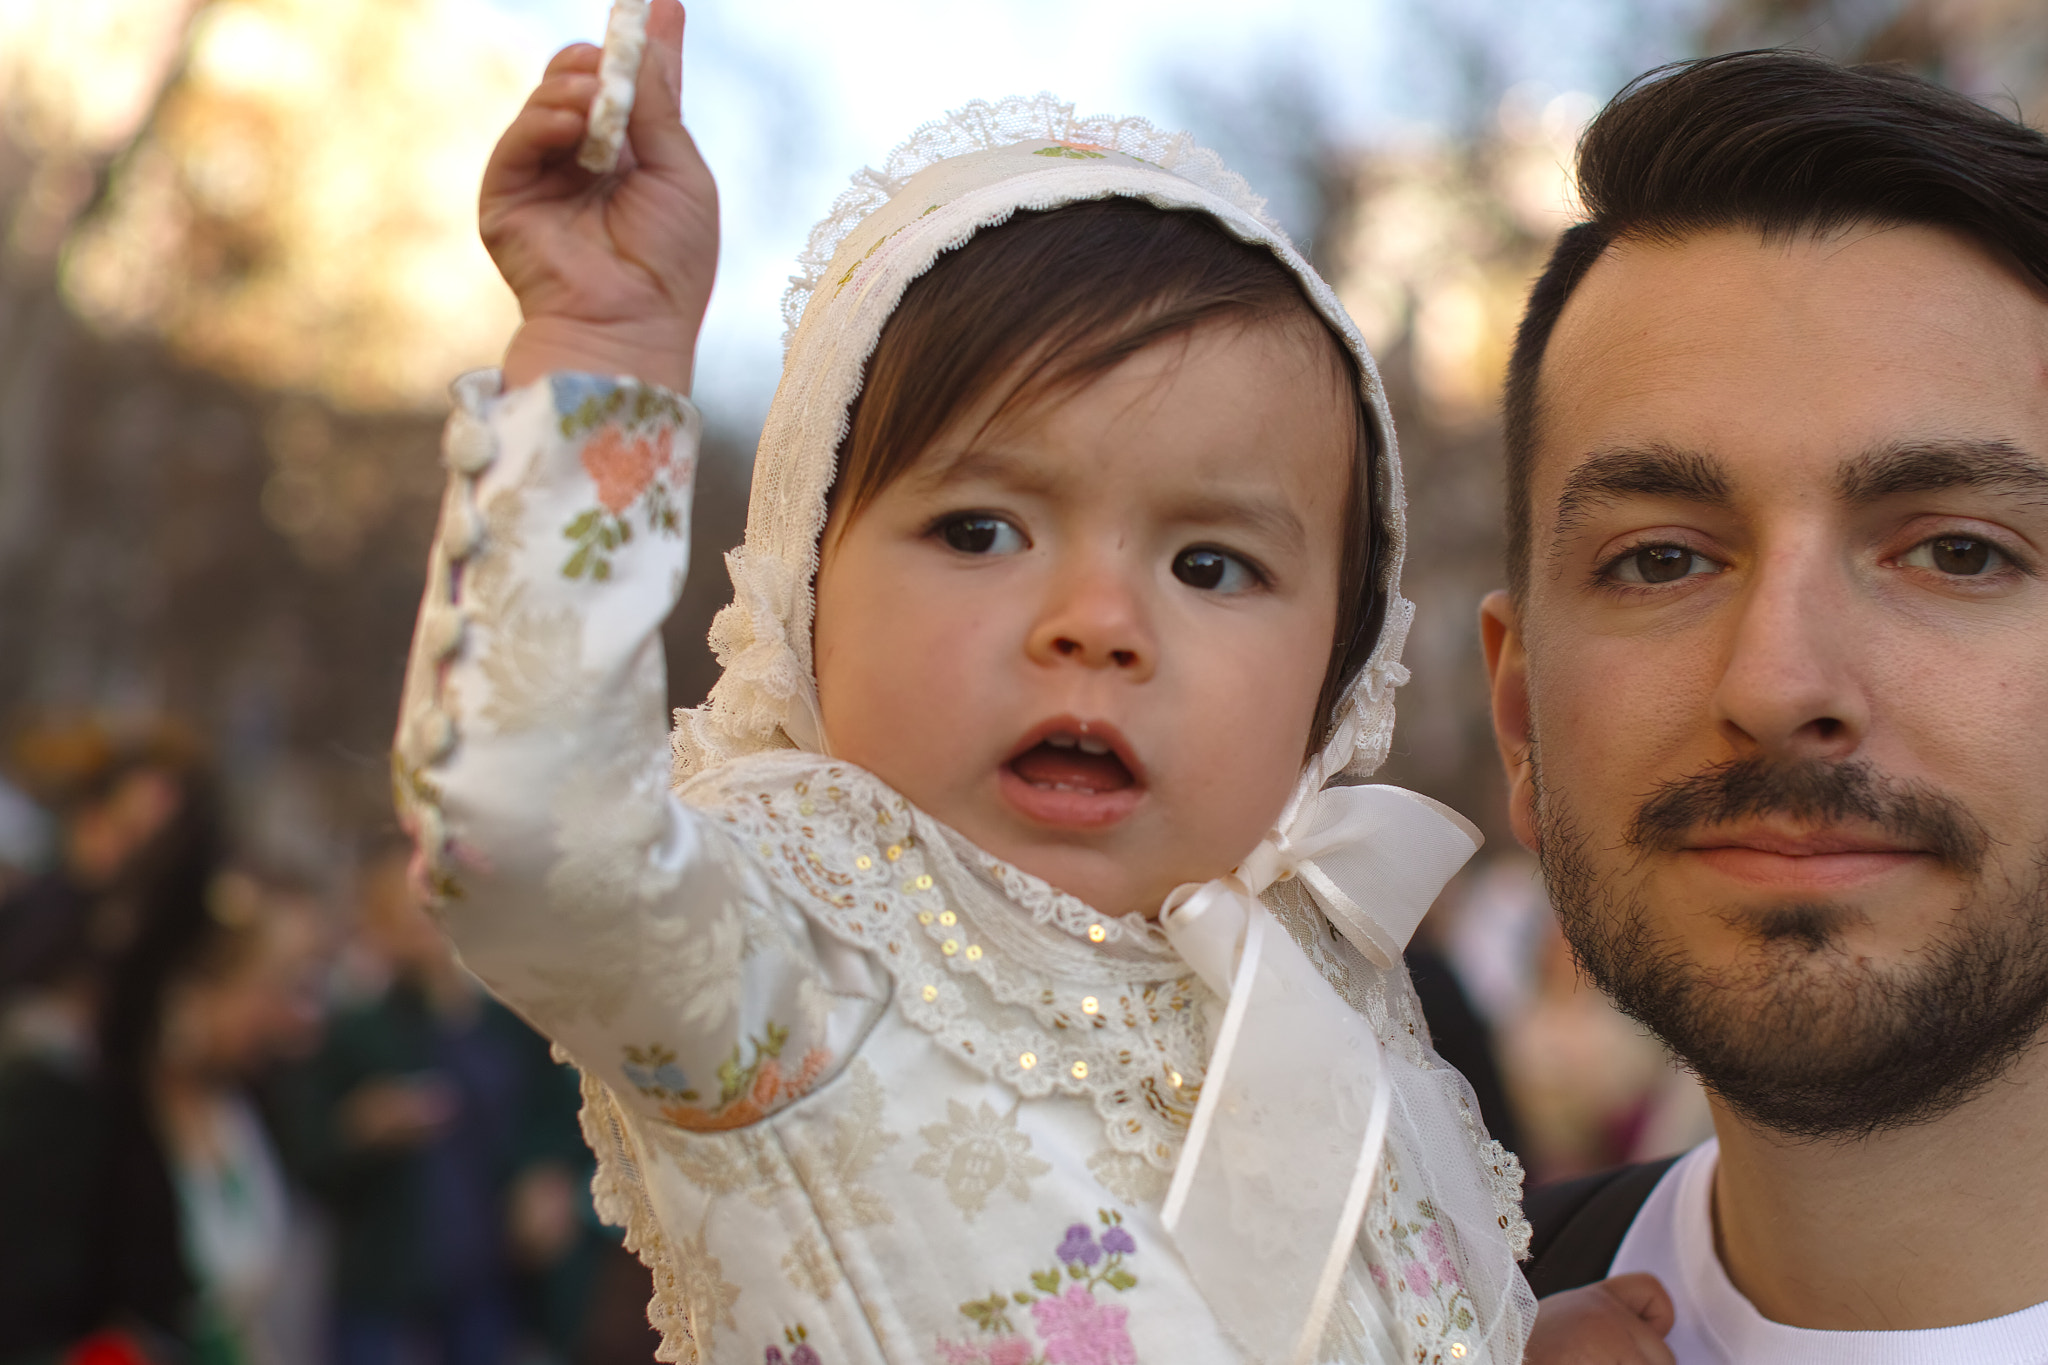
(1267, 1198)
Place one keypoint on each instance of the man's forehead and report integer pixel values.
(1810, 351)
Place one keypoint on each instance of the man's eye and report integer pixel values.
(1660, 564)
(1213, 571)
(979, 535)
(1960, 556)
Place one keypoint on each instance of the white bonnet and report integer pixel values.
(968, 171)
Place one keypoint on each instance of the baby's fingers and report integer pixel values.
(1643, 1295)
(552, 120)
(576, 57)
(656, 128)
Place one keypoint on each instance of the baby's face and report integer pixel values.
(1092, 638)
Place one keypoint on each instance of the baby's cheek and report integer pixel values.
(1252, 732)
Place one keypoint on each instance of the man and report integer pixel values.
(1771, 686)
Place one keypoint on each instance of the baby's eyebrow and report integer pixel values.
(1268, 518)
(975, 463)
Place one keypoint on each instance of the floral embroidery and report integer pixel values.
(810, 1266)
(834, 1171)
(586, 403)
(1430, 1271)
(746, 1092)
(628, 468)
(654, 1073)
(801, 1352)
(1077, 151)
(977, 1152)
(1129, 1177)
(534, 666)
(1073, 1326)
(726, 1163)
(706, 1294)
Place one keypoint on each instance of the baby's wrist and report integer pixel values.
(544, 346)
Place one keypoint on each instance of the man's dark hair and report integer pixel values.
(1784, 143)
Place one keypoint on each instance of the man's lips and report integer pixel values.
(1073, 773)
(1801, 859)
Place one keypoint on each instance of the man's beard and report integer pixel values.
(1799, 1037)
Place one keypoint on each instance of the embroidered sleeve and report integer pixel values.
(531, 768)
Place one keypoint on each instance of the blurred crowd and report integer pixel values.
(249, 1118)
(252, 1118)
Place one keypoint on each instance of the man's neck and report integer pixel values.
(1935, 1225)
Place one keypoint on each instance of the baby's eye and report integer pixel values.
(1959, 556)
(975, 534)
(1214, 571)
(1659, 564)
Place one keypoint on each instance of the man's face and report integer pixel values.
(1775, 705)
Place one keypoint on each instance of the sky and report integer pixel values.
(788, 97)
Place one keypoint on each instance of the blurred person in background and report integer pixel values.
(249, 996)
(24, 837)
(444, 1140)
(89, 1224)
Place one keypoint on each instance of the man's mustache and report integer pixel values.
(1815, 793)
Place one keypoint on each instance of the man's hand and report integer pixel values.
(612, 273)
(398, 1112)
(1621, 1321)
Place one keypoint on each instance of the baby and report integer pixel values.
(990, 971)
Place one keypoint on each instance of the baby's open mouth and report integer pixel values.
(1072, 763)
(1068, 773)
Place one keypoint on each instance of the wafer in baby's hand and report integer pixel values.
(625, 37)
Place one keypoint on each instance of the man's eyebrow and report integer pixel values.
(1653, 471)
(1931, 466)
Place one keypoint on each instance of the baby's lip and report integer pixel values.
(1054, 783)
(1086, 734)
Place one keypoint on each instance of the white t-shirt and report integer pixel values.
(1672, 1238)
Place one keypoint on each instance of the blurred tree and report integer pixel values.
(1995, 50)
(238, 265)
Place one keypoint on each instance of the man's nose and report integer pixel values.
(1096, 616)
(1792, 686)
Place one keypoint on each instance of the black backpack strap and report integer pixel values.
(1579, 1225)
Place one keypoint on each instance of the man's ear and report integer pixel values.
(1507, 670)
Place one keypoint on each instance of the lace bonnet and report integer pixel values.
(971, 170)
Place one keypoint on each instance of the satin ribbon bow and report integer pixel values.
(1271, 1187)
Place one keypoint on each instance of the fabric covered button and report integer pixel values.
(462, 530)
(467, 444)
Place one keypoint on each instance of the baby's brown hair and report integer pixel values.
(1052, 299)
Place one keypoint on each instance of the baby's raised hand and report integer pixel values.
(612, 272)
(1621, 1321)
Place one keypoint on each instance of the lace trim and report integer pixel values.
(982, 126)
(620, 1196)
(1041, 1004)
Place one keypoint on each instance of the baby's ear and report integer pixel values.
(1507, 670)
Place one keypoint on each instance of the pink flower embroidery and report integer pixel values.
(1417, 1276)
(1440, 1260)
(622, 469)
(1079, 1331)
